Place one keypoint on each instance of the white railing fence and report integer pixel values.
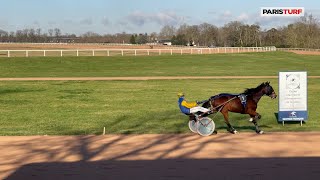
(130, 52)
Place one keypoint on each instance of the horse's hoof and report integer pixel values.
(234, 132)
(259, 132)
(215, 132)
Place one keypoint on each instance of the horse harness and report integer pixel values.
(242, 97)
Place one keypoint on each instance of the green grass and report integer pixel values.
(246, 64)
(85, 107)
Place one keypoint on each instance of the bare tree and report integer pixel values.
(167, 32)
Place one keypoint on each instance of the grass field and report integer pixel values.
(246, 64)
(85, 107)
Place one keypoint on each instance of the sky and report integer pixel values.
(140, 16)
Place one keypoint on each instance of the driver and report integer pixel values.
(190, 107)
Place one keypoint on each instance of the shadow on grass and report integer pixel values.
(19, 90)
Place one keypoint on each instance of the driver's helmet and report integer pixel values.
(180, 94)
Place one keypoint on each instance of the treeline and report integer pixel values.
(304, 33)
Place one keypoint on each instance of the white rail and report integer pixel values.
(130, 52)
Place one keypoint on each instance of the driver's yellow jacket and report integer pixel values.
(185, 106)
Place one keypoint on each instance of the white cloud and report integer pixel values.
(86, 21)
(227, 14)
(139, 18)
(105, 21)
(243, 17)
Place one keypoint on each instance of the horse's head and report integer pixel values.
(268, 90)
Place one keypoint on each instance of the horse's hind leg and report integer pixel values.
(226, 120)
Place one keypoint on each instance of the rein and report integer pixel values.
(223, 103)
(221, 106)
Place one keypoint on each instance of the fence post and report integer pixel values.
(159, 51)
(135, 52)
(190, 50)
(171, 51)
(44, 53)
(8, 53)
(27, 53)
(225, 50)
(148, 52)
(61, 53)
(209, 50)
(181, 51)
(108, 52)
(121, 52)
(92, 52)
(77, 52)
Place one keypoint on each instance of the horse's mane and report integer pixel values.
(257, 89)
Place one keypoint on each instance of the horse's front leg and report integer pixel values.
(254, 119)
(226, 120)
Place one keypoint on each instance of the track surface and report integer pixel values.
(183, 156)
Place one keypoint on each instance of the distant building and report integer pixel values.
(165, 42)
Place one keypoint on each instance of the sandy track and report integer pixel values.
(183, 156)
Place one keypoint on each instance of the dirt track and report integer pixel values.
(184, 156)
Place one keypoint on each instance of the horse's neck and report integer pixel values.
(257, 96)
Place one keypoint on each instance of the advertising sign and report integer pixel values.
(292, 96)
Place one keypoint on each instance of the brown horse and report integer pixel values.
(244, 103)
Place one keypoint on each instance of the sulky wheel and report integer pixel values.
(193, 126)
(205, 126)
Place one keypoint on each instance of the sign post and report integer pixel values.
(293, 97)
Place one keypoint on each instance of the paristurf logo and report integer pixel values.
(282, 11)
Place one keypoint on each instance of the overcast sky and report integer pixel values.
(139, 16)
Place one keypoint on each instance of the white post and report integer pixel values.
(92, 52)
(27, 53)
(171, 51)
(8, 53)
(218, 50)
(108, 52)
(77, 52)
(61, 53)
(159, 51)
(190, 50)
(201, 51)
(181, 51)
(225, 50)
(135, 52)
(148, 52)
(44, 53)
(209, 50)
(238, 50)
(122, 52)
